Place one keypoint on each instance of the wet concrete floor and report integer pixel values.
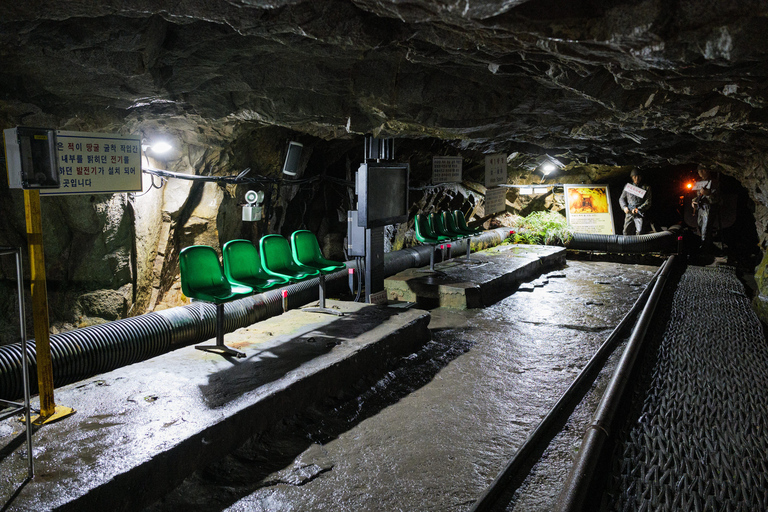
(436, 430)
(141, 429)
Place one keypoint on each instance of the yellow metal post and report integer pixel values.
(48, 409)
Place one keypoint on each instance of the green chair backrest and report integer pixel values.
(432, 231)
(306, 251)
(439, 226)
(450, 223)
(421, 225)
(276, 258)
(241, 261)
(461, 221)
(201, 274)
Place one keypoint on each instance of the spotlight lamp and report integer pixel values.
(157, 147)
(253, 210)
(547, 167)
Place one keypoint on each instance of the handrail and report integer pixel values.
(576, 488)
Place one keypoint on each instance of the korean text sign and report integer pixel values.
(495, 170)
(446, 169)
(97, 163)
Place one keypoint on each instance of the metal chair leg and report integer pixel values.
(321, 301)
(219, 347)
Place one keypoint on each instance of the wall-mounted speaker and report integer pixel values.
(292, 157)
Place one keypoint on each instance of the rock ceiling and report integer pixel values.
(649, 82)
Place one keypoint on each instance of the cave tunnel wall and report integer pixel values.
(112, 256)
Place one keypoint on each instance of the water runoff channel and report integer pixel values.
(438, 430)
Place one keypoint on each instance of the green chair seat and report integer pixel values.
(277, 260)
(440, 228)
(202, 278)
(427, 236)
(423, 232)
(306, 253)
(449, 220)
(242, 266)
(461, 222)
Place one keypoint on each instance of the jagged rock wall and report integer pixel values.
(604, 84)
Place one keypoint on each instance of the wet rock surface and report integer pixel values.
(435, 431)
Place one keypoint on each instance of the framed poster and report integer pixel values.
(588, 209)
(97, 163)
(446, 169)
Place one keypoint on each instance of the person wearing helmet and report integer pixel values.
(635, 200)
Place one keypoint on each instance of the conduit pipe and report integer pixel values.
(664, 241)
(84, 352)
(582, 382)
(575, 492)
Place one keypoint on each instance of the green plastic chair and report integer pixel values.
(438, 224)
(277, 260)
(461, 222)
(450, 223)
(242, 265)
(426, 236)
(202, 278)
(306, 253)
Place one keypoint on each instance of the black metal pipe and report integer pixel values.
(586, 377)
(665, 241)
(573, 495)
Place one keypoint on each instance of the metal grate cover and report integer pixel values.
(698, 436)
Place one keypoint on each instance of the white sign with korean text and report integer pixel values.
(495, 170)
(97, 163)
(446, 169)
(495, 200)
(699, 185)
(635, 190)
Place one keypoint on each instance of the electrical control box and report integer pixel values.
(30, 158)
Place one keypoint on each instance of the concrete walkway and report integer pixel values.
(141, 429)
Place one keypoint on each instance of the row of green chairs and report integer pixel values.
(246, 271)
(440, 228)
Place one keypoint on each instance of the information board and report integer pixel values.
(495, 200)
(589, 209)
(495, 170)
(97, 163)
(446, 169)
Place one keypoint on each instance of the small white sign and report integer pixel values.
(446, 169)
(495, 200)
(635, 190)
(495, 170)
(701, 185)
(540, 190)
(526, 191)
(97, 163)
(379, 297)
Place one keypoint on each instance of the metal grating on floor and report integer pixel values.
(698, 437)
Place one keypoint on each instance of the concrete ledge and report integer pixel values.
(140, 430)
(495, 273)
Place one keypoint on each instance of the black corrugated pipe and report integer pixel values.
(575, 491)
(84, 352)
(664, 241)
